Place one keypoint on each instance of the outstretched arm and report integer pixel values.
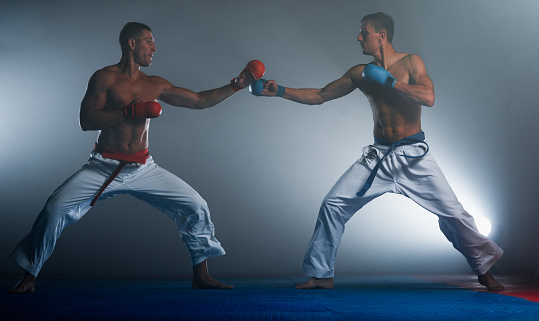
(311, 96)
(182, 97)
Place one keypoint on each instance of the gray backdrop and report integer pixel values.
(265, 164)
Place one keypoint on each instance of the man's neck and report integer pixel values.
(129, 68)
(386, 56)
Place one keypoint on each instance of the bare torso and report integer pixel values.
(394, 116)
(130, 135)
(113, 87)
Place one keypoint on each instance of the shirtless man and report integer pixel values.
(119, 102)
(396, 86)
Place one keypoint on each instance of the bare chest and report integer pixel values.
(125, 92)
(401, 72)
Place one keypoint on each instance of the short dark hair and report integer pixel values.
(131, 30)
(381, 21)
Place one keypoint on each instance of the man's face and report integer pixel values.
(368, 39)
(144, 49)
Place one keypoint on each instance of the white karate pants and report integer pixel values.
(419, 179)
(147, 182)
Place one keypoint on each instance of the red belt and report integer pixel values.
(124, 159)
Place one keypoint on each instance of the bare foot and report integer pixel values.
(203, 280)
(488, 280)
(316, 283)
(25, 285)
(209, 283)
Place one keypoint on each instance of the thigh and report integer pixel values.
(164, 190)
(74, 195)
(423, 181)
(81, 186)
(343, 193)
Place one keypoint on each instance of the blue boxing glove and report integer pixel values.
(257, 86)
(378, 75)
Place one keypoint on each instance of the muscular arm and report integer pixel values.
(93, 114)
(181, 97)
(311, 96)
(420, 89)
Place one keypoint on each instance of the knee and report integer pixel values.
(195, 209)
(329, 208)
(194, 217)
(55, 210)
(336, 210)
(330, 204)
(198, 205)
(457, 223)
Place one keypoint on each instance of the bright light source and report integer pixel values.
(483, 225)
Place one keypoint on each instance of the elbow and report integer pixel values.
(315, 103)
(84, 122)
(319, 100)
(83, 126)
(429, 101)
(200, 106)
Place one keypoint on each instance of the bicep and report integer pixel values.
(338, 88)
(95, 96)
(177, 96)
(419, 73)
(423, 88)
(93, 113)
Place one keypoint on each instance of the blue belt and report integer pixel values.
(414, 139)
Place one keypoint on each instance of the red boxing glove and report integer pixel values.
(255, 67)
(149, 109)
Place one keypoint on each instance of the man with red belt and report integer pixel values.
(119, 102)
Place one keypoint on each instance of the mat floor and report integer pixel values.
(432, 297)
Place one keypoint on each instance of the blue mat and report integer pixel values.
(353, 298)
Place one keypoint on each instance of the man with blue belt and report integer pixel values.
(396, 85)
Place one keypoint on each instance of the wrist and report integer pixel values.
(390, 82)
(127, 111)
(280, 91)
(234, 85)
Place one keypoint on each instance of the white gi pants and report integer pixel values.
(147, 182)
(419, 179)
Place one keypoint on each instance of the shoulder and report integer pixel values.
(102, 79)
(415, 59)
(357, 69)
(157, 80)
(410, 64)
(108, 71)
(104, 75)
(411, 60)
(354, 73)
(416, 65)
(415, 68)
(158, 83)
